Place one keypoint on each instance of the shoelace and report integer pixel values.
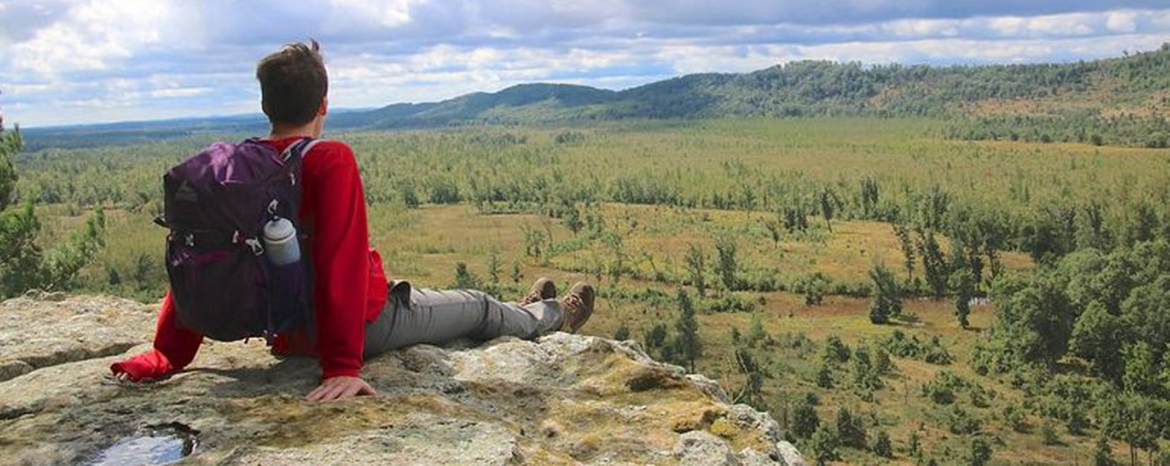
(533, 297)
(573, 301)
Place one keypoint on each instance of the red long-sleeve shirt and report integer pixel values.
(349, 286)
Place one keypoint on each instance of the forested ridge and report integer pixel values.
(1117, 101)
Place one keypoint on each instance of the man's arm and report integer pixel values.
(174, 348)
(340, 254)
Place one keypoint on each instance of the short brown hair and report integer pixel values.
(293, 83)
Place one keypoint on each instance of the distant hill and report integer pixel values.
(1134, 86)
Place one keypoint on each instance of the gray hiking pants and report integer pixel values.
(439, 316)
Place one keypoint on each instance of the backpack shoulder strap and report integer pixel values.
(299, 149)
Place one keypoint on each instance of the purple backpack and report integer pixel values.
(216, 204)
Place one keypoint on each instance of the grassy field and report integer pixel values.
(695, 165)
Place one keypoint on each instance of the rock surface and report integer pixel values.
(561, 400)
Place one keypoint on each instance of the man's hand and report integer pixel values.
(340, 388)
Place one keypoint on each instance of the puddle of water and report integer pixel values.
(152, 446)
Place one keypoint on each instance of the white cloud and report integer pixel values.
(1121, 21)
(180, 92)
(388, 13)
(924, 28)
(160, 58)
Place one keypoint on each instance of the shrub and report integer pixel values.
(814, 287)
(979, 453)
(942, 390)
(931, 351)
(882, 446)
(729, 302)
(622, 332)
(1014, 417)
(804, 419)
(1048, 433)
(961, 422)
(835, 351)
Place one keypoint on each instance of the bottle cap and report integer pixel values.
(279, 229)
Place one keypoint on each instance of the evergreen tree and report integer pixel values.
(850, 429)
(962, 282)
(887, 301)
(688, 345)
(835, 351)
(749, 363)
(907, 246)
(804, 419)
(727, 264)
(655, 341)
(870, 191)
(864, 374)
(825, 376)
(696, 262)
(516, 275)
(775, 229)
(465, 279)
(824, 446)
(572, 218)
(756, 333)
(934, 263)
(828, 202)
(493, 266)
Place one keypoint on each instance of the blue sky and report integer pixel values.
(86, 61)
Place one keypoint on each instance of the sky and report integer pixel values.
(91, 61)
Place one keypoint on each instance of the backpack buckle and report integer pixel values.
(255, 245)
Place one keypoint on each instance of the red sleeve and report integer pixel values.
(333, 198)
(174, 348)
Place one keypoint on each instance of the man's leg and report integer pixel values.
(440, 316)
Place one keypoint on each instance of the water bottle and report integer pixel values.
(280, 241)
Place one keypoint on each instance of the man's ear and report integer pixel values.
(324, 108)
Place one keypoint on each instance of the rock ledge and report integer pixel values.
(564, 399)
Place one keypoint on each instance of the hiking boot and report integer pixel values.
(576, 307)
(543, 289)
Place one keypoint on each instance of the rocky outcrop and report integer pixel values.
(563, 399)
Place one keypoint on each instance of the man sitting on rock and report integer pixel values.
(356, 315)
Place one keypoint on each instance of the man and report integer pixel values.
(355, 313)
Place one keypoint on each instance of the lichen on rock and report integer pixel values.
(560, 400)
